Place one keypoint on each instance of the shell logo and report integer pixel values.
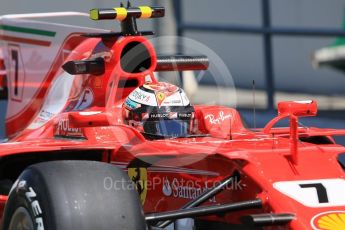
(333, 220)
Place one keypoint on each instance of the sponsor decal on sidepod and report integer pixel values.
(178, 189)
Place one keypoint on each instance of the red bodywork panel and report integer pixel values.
(172, 172)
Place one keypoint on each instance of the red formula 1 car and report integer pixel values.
(95, 142)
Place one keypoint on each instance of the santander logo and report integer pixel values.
(167, 191)
(183, 189)
(217, 120)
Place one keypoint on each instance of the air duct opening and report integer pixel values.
(135, 58)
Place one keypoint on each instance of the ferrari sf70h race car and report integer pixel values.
(96, 142)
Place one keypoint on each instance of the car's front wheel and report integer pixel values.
(73, 195)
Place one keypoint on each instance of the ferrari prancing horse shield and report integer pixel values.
(139, 178)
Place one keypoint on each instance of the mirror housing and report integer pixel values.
(298, 108)
(94, 67)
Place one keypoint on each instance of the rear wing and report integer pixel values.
(44, 15)
(3, 77)
(32, 54)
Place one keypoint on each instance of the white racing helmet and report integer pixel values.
(159, 110)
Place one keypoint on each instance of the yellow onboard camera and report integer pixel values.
(122, 13)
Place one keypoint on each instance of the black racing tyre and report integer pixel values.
(63, 195)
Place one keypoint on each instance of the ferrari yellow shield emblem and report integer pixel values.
(160, 97)
(139, 177)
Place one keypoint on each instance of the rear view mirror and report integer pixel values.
(298, 108)
(94, 67)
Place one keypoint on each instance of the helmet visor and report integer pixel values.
(167, 128)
